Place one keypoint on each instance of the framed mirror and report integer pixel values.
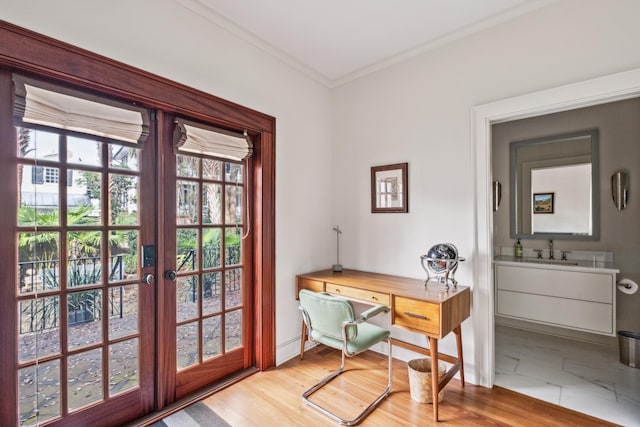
(389, 188)
(554, 187)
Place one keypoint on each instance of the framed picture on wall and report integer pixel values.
(389, 188)
(543, 203)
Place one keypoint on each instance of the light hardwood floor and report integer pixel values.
(274, 398)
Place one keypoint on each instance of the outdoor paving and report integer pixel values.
(39, 388)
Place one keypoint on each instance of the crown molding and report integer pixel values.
(202, 10)
(199, 8)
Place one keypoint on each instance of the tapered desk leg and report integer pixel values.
(458, 332)
(303, 339)
(435, 380)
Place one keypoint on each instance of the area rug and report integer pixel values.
(195, 415)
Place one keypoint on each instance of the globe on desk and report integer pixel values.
(441, 262)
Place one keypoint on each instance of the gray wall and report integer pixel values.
(619, 126)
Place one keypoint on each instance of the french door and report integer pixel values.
(207, 277)
(88, 278)
(83, 211)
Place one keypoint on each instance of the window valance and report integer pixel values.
(48, 105)
(200, 139)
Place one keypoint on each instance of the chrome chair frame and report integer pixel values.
(345, 352)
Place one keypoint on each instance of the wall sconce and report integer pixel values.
(620, 189)
(497, 195)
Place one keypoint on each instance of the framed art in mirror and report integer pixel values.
(542, 203)
(389, 188)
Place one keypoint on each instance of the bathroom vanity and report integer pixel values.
(573, 294)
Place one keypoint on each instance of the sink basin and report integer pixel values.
(551, 261)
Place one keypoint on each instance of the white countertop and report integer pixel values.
(593, 266)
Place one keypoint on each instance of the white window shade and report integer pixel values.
(210, 141)
(42, 104)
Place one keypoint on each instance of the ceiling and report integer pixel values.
(336, 41)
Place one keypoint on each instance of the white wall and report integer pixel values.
(165, 38)
(419, 111)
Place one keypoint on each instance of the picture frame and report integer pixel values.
(543, 203)
(389, 188)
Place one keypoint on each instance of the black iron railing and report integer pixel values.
(82, 307)
(211, 283)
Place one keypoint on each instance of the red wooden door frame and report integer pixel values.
(33, 54)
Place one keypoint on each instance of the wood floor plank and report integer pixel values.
(274, 398)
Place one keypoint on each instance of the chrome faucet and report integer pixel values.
(551, 249)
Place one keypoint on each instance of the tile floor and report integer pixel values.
(584, 377)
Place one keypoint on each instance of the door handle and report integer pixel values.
(170, 275)
(148, 279)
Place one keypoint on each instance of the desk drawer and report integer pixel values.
(312, 285)
(417, 315)
(359, 294)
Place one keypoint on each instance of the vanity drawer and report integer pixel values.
(312, 285)
(358, 294)
(417, 315)
(595, 287)
(569, 313)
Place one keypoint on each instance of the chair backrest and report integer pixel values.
(326, 314)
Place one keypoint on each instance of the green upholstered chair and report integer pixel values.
(332, 321)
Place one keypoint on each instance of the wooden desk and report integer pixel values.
(431, 311)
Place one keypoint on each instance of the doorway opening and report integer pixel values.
(597, 91)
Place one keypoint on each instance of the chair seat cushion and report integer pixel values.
(368, 335)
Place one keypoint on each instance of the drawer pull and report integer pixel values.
(374, 298)
(417, 316)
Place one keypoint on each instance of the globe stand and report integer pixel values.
(446, 275)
